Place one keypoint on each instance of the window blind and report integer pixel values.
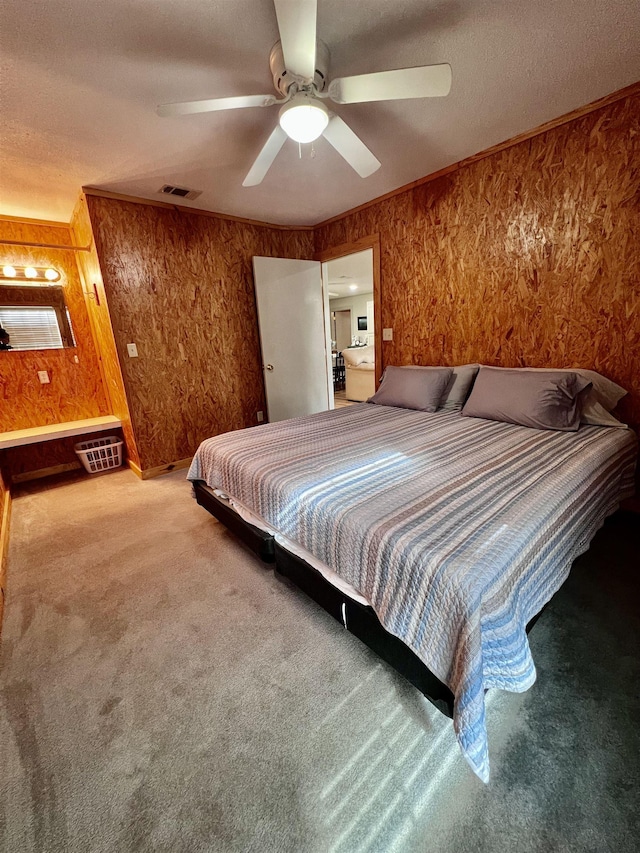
(31, 328)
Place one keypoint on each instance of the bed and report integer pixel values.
(449, 532)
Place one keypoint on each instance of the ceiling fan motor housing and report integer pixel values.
(282, 79)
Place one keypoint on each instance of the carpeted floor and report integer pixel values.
(160, 690)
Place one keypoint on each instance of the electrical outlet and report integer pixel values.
(132, 349)
(260, 417)
(387, 334)
(43, 376)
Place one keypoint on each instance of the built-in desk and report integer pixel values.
(34, 435)
(53, 448)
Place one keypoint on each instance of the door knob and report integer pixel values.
(268, 367)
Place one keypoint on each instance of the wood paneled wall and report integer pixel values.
(75, 390)
(527, 257)
(180, 286)
(99, 316)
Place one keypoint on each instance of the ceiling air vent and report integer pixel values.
(182, 192)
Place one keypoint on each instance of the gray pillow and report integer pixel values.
(608, 393)
(594, 413)
(596, 403)
(543, 400)
(418, 388)
(458, 388)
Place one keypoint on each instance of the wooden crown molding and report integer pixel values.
(24, 220)
(64, 247)
(579, 112)
(94, 191)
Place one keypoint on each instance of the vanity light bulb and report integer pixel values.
(9, 272)
(31, 272)
(51, 275)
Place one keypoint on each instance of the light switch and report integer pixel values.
(43, 376)
(387, 334)
(132, 349)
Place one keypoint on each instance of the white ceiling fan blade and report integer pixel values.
(425, 81)
(213, 104)
(351, 147)
(297, 25)
(265, 158)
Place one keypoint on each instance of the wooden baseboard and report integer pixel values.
(45, 472)
(148, 473)
(5, 521)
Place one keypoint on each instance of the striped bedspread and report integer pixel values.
(456, 530)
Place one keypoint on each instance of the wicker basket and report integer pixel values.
(100, 454)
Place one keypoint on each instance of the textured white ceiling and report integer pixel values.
(348, 271)
(80, 82)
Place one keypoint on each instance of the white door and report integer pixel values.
(293, 315)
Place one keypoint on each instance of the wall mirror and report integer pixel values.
(34, 317)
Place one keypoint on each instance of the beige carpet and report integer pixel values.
(160, 690)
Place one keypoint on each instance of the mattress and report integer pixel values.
(293, 547)
(456, 530)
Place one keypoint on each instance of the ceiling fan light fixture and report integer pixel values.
(304, 118)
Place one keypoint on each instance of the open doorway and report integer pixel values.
(349, 280)
(341, 328)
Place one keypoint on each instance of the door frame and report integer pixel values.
(273, 278)
(370, 241)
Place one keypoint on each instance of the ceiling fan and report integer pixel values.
(299, 63)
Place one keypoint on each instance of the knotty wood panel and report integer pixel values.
(527, 257)
(75, 390)
(586, 109)
(32, 231)
(180, 286)
(98, 308)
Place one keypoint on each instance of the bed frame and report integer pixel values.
(357, 618)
